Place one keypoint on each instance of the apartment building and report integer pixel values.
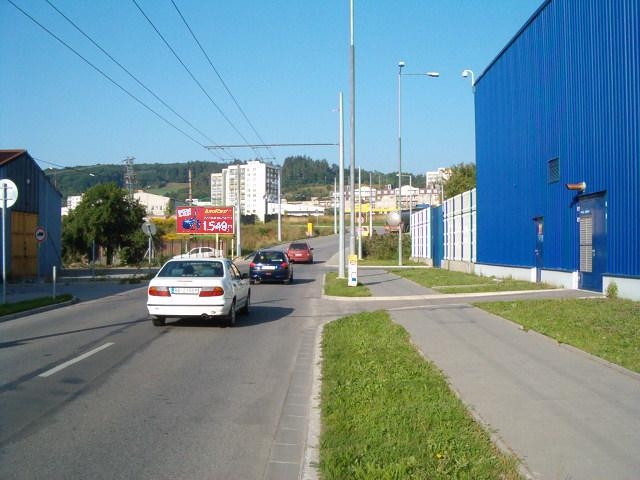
(258, 186)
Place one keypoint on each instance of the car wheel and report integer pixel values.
(245, 310)
(158, 321)
(231, 318)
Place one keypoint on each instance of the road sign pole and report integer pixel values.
(4, 244)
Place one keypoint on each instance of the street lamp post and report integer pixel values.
(401, 65)
(469, 73)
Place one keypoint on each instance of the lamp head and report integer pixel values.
(465, 74)
(401, 64)
(433, 74)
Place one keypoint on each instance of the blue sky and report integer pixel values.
(284, 61)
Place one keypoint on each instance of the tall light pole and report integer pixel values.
(279, 207)
(469, 73)
(335, 205)
(359, 213)
(401, 65)
(352, 160)
(341, 182)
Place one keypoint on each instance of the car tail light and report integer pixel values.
(252, 265)
(284, 265)
(211, 292)
(159, 292)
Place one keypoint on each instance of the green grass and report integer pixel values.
(10, 308)
(338, 287)
(447, 281)
(389, 414)
(607, 328)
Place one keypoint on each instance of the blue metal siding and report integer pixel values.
(36, 195)
(568, 86)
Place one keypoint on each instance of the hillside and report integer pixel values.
(302, 178)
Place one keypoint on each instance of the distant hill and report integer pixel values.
(302, 178)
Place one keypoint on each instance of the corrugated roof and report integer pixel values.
(7, 155)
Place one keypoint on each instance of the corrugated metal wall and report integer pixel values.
(38, 202)
(567, 87)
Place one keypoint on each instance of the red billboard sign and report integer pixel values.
(204, 220)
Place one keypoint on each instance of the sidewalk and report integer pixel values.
(563, 412)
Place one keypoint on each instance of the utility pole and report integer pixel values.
(129, 176)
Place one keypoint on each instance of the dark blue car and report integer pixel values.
(270, 265)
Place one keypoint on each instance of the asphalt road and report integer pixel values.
(93, 390)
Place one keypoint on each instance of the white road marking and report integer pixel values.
(64, 365)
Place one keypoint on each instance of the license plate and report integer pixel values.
(185, 290)
(298, 254)
(268, 267)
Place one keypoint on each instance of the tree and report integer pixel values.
(462, 178)
(107, 217)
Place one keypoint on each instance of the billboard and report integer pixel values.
(204, 220)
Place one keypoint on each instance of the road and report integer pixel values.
(93, 390)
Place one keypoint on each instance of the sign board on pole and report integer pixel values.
(40, 234)
(12, 193)
(149, 228)
(352, 279)
(205, 220)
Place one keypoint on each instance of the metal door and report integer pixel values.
(593, 241)
(539, 251)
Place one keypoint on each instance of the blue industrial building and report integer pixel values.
(33, 223)
(558, 149)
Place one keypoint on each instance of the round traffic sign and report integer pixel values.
(11, 190)
(40, 234)
(149, 228)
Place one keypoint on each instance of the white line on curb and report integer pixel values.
(64, 365)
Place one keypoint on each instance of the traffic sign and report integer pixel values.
(149, 228)
(40, 234)
(8, 186)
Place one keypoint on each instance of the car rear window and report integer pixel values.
(265, 257)
(192, 268)
(299, 246)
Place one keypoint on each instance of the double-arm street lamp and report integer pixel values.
(401, 65)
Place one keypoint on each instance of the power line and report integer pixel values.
(190, 73)
(219, 76)
(129, 73)
(105, 75)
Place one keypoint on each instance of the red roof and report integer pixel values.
(8, 155)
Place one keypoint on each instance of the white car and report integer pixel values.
(198, 287)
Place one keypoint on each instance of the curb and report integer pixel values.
(442, 296)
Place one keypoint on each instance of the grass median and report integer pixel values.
(389, 414)
(25, 305)
(607, 328)
(447, 281)
(338, 287)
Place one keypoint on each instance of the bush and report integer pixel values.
(612, 290)
(385, 247)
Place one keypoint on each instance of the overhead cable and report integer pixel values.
(233, 126)
(168, 122)
(128, 72)
(219, 76)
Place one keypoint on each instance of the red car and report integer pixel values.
(300, 252)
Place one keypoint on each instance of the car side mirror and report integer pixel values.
(311, 248)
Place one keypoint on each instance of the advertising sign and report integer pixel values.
(205, 220)
(352, 279)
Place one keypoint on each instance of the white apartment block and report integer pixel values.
(72, 202)
(155, 205)
(258, 186)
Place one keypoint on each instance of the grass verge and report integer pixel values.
(389, 414)
(447, 281)
(607, 328)
(10, 308)
(338, 287)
